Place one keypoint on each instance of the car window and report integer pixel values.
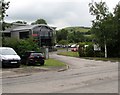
(36, 54)
(7, 52)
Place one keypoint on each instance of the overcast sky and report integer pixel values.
(59, 13)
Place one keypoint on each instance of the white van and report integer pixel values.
(8, 57)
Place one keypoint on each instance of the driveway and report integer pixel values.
(83, 76)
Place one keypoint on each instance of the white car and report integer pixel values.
(8, 57)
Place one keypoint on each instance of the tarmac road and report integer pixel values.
(83, 76)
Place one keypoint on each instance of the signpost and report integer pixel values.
(97, 47)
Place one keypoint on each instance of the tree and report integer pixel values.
(61, 35)
(39, 21)
(21, 45)
(21, 22)
(117, 21)
(106, 28)
(75, 37)
(3, 7)
(101, 13)
(115, 49)
(63, 42)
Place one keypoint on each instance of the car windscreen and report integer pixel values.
(7, 52)
(37, 54)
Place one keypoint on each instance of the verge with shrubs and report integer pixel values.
(21, 45)
(88, 51)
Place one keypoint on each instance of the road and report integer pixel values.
(83, 76)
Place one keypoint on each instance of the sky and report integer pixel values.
(57, 13)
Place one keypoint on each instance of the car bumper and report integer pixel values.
(35, 61)
(11, 63)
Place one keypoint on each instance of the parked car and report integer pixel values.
(73, 46)
(58, 46)
(8, 57)
(74, 49)
(33, 58)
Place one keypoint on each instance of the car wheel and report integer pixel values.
(27, 63)
(17, 66)
(42, 62)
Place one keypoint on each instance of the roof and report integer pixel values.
(24, 27)
(27, 27)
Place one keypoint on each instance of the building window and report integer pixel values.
(24, 35)
(36, 30)
(7, 34)
(45, 31)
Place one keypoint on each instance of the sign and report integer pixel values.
(97, 47)
(34, 35)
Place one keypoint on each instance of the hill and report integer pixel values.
(77, 28)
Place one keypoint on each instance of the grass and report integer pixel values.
(61, 48)
(75, 54)
(48, 63)
(53, 63)
(103, 59)
(80, 29)
(69, 53)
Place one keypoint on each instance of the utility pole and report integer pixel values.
(67, 42)
(105, 47)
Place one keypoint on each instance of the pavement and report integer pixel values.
(27, 71)
(83, 76)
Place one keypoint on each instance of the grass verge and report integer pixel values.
(75, 54)
(53, 63)
(69, 53)
(48, 63)
(103, 59)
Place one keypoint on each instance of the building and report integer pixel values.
(42, 34)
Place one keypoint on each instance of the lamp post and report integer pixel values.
(67, 42)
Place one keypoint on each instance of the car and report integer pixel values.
(9, 57)
(73, 46)
(74, 49)
(58, 46)
(33, 58)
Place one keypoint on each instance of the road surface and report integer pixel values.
(83, 76)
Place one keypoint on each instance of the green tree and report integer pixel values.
(21, 22)
(117, 21)
(75, 37)
(114, 47)
(63, 42)
(102, 17)
(3, 7)
(21, 45)
(106, 28)
(39, 21)
(61, 35)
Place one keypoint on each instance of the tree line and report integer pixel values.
(3, 7)
(73, 36)
(106, 27)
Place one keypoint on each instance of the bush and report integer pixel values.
(89, 51)
(63, 42)
(21, 45)
(81, 50)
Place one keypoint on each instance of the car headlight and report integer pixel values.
(4, 58)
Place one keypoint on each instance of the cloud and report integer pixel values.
(60, 13)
